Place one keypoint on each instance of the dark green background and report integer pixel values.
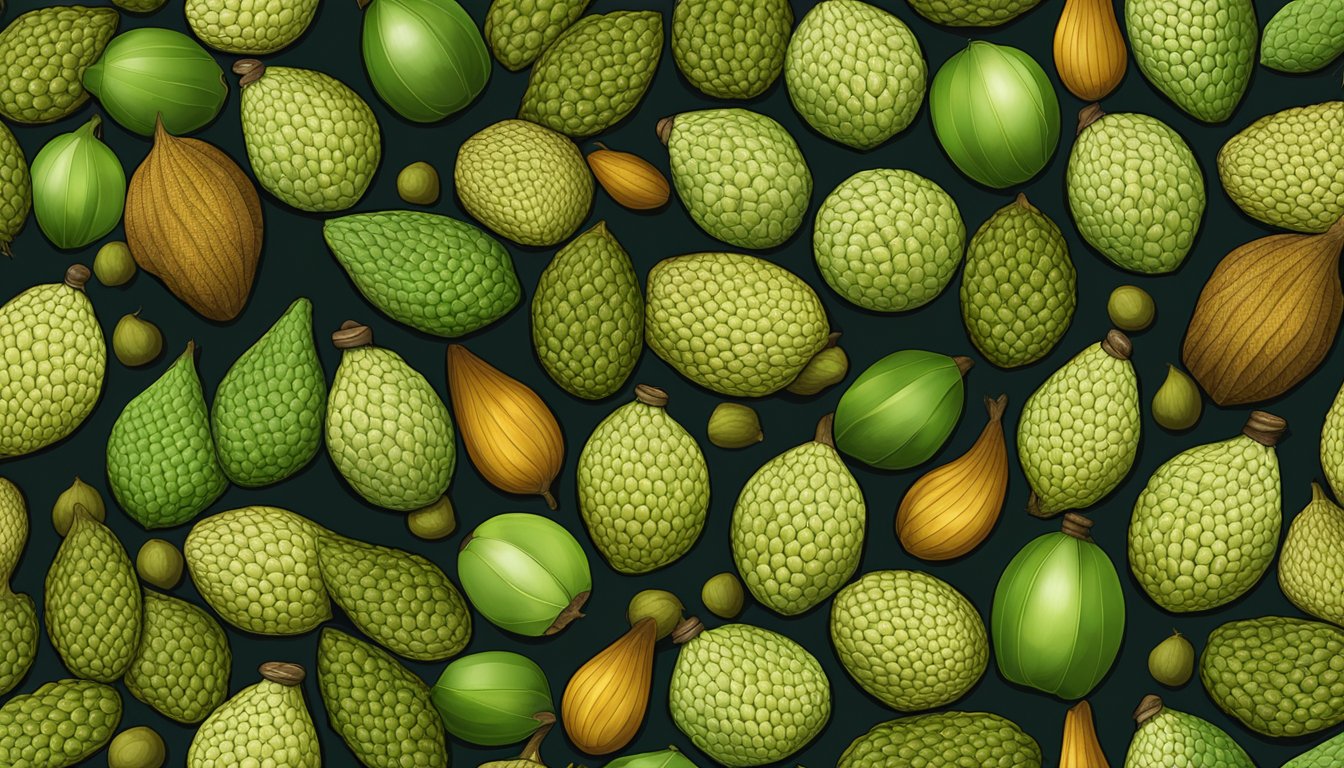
(296, 263)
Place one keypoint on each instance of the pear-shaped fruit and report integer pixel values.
(249, 26)
(16, 189)
(266, 724)
(58, 725)
(1177, 404)
(1199, 53)
(1311, 563)
(1167, 738)
(1172, 661)
(43, 55)
(518, 31)
(182, 666)
(18, 616)
(731, 51)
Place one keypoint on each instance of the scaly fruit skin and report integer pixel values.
(944, 739)
(1304, 36)
(267, 414)
(747, 696)
(1170, 738)
(888, 240)
(1287, 169)
(881, 630)
(1199, 53)
(1311, 563)
(43, 55)
(378, 707)
(519, 30)
(740, 175)
(182, 666)
(1136, 191)
(855, 72)
(16, 188)
(249, 26)
(161, 461)
(702, 307)
(1278, 676)
(588, 316)
(595, 73)
(58, 725)
(1332, 445)
(264, 725)
(1327, 754)
(972, 13)
(93, 602)
(18, 615)
(1019, 289)
(13, 528)
(643, 485)
(731, 51)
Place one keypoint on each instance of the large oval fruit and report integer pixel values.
(525, 573)
(152, 73)
(79, 187)
(493, 698)
(898, 413)
(425, 57)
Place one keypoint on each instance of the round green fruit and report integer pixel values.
(900, 411)
(493, 698)
(418, 184)
(1131, 308)
(1172, 661)
(79, 187)
(426, 58)
(138, 747)
(525, 573)
(151, 74)
(113, 265)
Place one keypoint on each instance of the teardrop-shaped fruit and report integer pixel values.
(1166, 737)
(161, 462)
(16, 189)
(18, 643)
(264, 724)
(1130, 308)
(943, 739)
(733, 425)
(1080, 747)
(79, 187)
(418, 184)
(80, 494)
(312, 141)
(826, 369)
(1090, 53)
(731, 51)
(51, 374)
(113, 264)
(267, 414)
(519, 30)
(494, 698)
(606, 698)
(388, 432)
(631, 180)
(1311, 562)
(588, 315)
(1304, 36)
(152, 74)
(249, 26)
(159, 563)
(59, 724)
(900, 411)
(525, 573)
(1199, 53)
(1079, 431)
(136, 341)
(1177, 404)
(1285, 168)
(183, 663)
(1206, 526)
(425, 57)
(1172, 661)
(43, 55)
(1267, 317)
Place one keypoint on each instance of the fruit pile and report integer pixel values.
(679, 558)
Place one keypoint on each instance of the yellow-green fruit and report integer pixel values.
(43, 55)
(80, 494)
(139, 747)
(59, 724)
(418, 184)
(249, 26)
(826, 369)
(433, 522)
(1167, 738)
(16, 189)
(1199, 53)
(182, 666)
(135, 341)
(733, 425)
(1177, 404)
(139, 6)
(1131, 308)
(657, 604)
(18, 616)
(266, 724)
(519, 30)
(1287, 169)
(1327, 754)
(159, 563)
(723, 595)
(731, 50)
(1332, 445)
(1172, 661)
(941, 739)
(1304, 36)
(972, 13)
(113, 264)
(1311, 563)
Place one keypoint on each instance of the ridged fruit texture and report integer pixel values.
(1304, 36)
(43, 55)
(517, 31)
(1332, 445)
(1287, 169)
(266, 724)
(1200, 53)
(59, 724)
(16, 188)
(972, 13)
(982, 739)
(1176, 738)
(182, 666)
(249, 26)
(731, 51)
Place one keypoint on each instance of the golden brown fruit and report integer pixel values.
(605, 700)
(1080, 747)
(1090, 52)
(631, 180)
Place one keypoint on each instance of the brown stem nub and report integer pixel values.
(550, 498)
(1265, 428)
(1089, 115)
(1336, 230)
(352, 335)
(664, 129)
(76, 276)
(1023, 202)
(282, 672)
(1317, 494)
(1148, 708)
(600, 145)
(532, 749)
(832, 339)
(964, 363)
(363, 4)
(995, 406)
(650, 395)
(687, 630)
(249, 71)
(466, 540)
(567, 616)
(826, 430)
(1117, 345)
(1034, 507)
(1077, 526)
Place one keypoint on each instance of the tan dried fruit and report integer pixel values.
(1080, 747)
(1090, 53)
(606, 699)
(631, 180)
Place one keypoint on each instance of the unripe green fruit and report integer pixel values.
(159, 563)
(136, 342)
(733, 425)
(1131, 308)
(827, 368)
(1177, 404)
(1172, 662)
(436, 521)
(138, 747)
(723, 595)
(657, 604)
(418, 184)
(113, 265)
(80, 494)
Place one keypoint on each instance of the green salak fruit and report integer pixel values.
(1167, 738)
(183, 664)
(1311, 563)
(267, 414)
(1206, 526)
(43, 55)
(431, 272)
(1135, 190)
(151, 74)
(16, 189)
(798, 526)
(888, 240)
(739, 173)
(257, 567)
(734, 324)
(399, 599)
(910, 663)
(1327, 754)
(855, 72)
(266, 724)
(380, 709)
(249, 26)
(942, 739)
(595, 73)
(161, 462)
(588, 316)
(1200, 53)
(311, 140)
(902, 408)
(426, 58)
(1304, 36)
(18, 615)
(93, 605)
(519, 30)
(1079, 431)
(1277, 675)
(79, 187)
(972, 13)
(52, 371)
(731, 51)
(524, 181)
(746, 696)
(643, 485)
(1287, 169)
(1019, 289)
(59, 724)
(377, 402)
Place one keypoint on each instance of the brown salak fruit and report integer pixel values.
(193, 219)
(606, 699)
(1267, 317)
(1090, 53)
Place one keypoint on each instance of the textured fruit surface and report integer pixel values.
(182, 666)
(1311, 562)
(941, 739)
(519, 30)
(731, 50)
(1304, 36)
(972, 13)
(249, 26)
(16, 188)
(1285, 169)
(43, 55)
(18, 646)
(1328, 754)
(888, 240)
(93, 602)
(911, 640)
(263, 725)
(1332, 445)
(1172, 738)
(1200, 53)
(59, 724)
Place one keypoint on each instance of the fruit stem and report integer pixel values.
(1034, 507)
(832, 339)
(76, 276)
(1317, 493)
(550, 498)
(1077, 526)
(1148, 708)
(1023, 202)
(249, 71)
(826, 430)
(1117, 345)
(532, 749)
(600, 145)
(664, 129)
(352, 335)
(465, 541)
(995, 406)
(568, 615)
(650, 395)
(363, 4)
(282, 672)
(964, 363)
(1089, 115)
(1265, 428)
(687, 630)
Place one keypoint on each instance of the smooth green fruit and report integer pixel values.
(79, 187)
(16, 189)
(519, 30)
(59, 724)
(182, 666)
(257, 567)
(1311, 562)
(93, 602)
(734, 324)
(136, 342)
(588, 316)
(418, 184)
(888, 240)
(138, 747)
(1276, 675)
(81, 494)
(1130, 308)
(658, 604)
(266, 724)
(380, 709)
(18, 643)
(249, 26)
(667, 758)
(524, 181)
(910, 663)
(493, 698)
(1135, 190)
(972, 13)
(731, 51)
(312, 141)
(1327, 754)
(52, 371)
(425, 57)
(1079, 431)
(159, 563)
(1304, 36)
(855, 72)
(1206, 526)
(901, 410)
(377, 401)
(733, 425)
(525, 573)
(1199, 53)
(436, 521)
(595, 73)
(1019, 289)
(1172, 661)
(826, 369)
(1167, 738)
(942, 739)
(1177, 404)
(798, 526)
(723, 595)
(43, 55)
(151, 74)
(161, 463)
(113, 264)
